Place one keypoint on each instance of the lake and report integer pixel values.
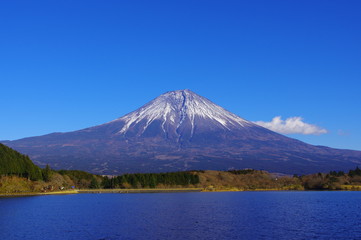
(208, 215)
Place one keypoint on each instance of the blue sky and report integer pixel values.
(67, 65)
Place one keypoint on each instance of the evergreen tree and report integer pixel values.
(47, 173)
(94, 183)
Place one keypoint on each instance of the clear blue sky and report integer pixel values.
(67, 65)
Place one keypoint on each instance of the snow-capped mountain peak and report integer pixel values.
(178, 108)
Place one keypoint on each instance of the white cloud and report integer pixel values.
(292, 125)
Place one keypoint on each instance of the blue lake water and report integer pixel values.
(226, 215)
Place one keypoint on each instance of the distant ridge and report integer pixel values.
(181, 130)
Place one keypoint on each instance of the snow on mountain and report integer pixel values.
(178, 107)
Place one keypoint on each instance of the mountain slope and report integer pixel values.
(181, 130)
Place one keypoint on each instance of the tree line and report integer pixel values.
(151, 180)
(333, 180)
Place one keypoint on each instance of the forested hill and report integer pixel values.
(15, 163)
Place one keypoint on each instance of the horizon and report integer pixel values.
(293, 67)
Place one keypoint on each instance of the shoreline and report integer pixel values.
(26, 194)
(160, 190)
(144, 190)
(82, 191)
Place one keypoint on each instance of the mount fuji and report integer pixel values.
(180, 130)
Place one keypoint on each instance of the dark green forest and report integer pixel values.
(14, 163)
(151, 180)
